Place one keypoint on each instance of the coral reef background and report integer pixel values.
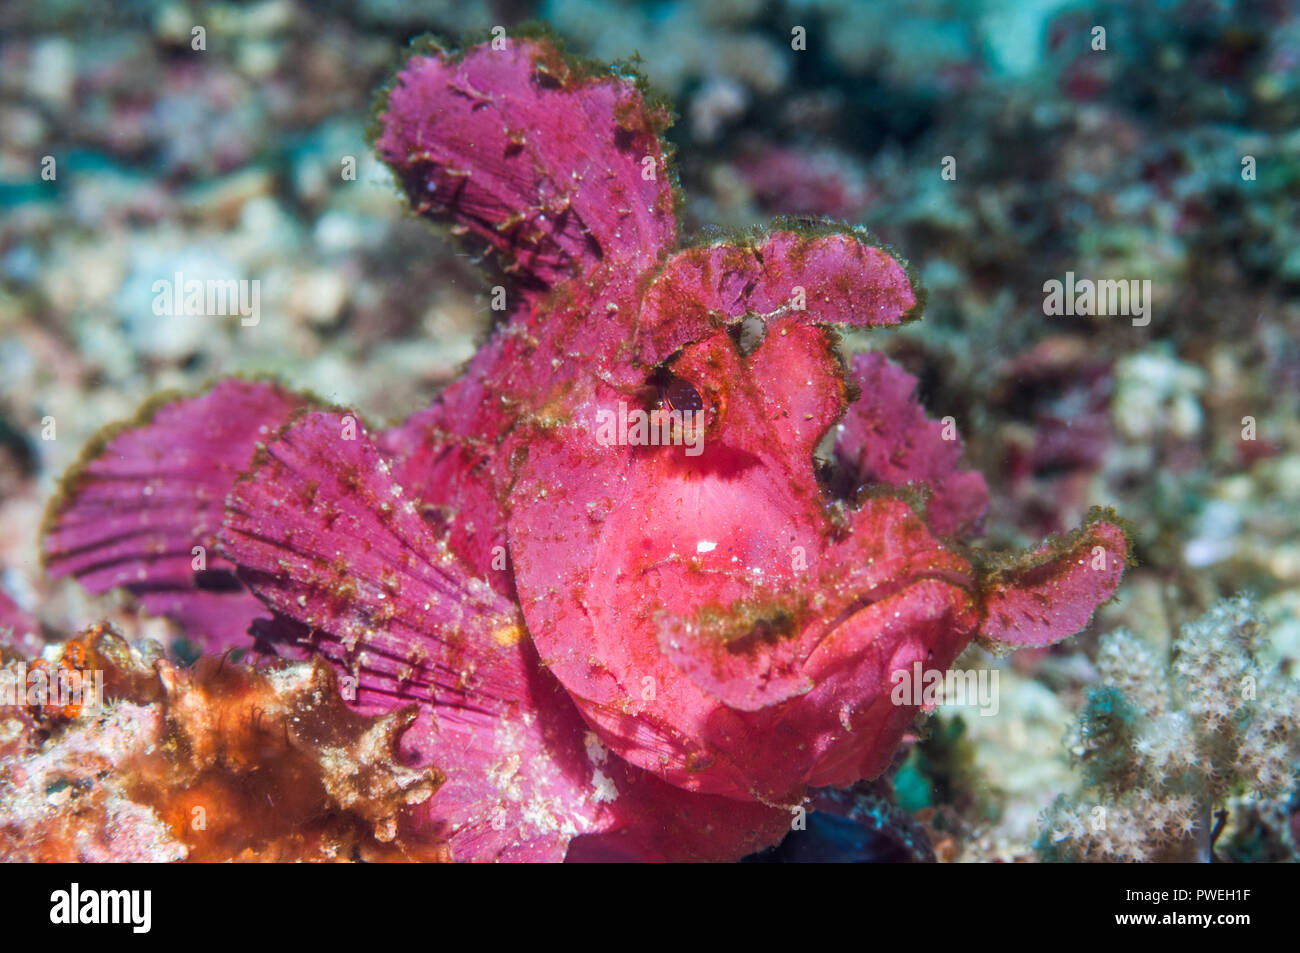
(1172, 155)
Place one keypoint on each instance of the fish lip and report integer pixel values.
(890, 588)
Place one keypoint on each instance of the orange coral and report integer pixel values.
(216, 762)
(65, 680)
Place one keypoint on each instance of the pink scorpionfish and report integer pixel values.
(635, 618)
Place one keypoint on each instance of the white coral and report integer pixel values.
(1209, 724)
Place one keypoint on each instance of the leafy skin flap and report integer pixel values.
(812, 276)
(1051, 594)
(132, 514)
(553, 167)
(887, 438)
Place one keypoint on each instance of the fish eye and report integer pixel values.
(677, 393)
